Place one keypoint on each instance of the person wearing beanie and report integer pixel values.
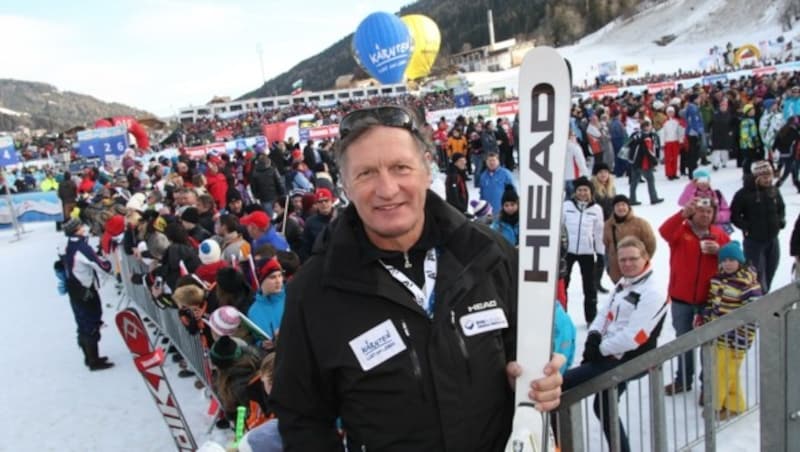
(507, 223)
(233, 289)
(735, 285)
(493, 181)
(759, 211)
(267, 309)
(317, 223)
(216, 183)
(237, 363)
(456, 192)
(480, 211)
(695, 130)
(211, 260)
(266, 182)
(722, 135)
(234, 205)
(82, 267)
(190, 219)
(750, 146)
(694, 242)
(671, 134)
(584, 223)
(700, 187)
(624, 223)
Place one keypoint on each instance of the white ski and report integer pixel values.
(544, 100)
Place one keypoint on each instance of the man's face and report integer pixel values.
(492, 162)
(764, 180)
(235, 206)
(703, 216)
(631, 262)
(386, 179)
(324, 206)
(461, 163)
(297, 202)
(182, 168)
(621, 209)
(272, 283)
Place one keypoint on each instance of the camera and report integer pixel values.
(704, 202)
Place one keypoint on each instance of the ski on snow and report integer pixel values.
(149, 362)
(544, 99)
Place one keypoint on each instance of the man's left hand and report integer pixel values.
(546, 391)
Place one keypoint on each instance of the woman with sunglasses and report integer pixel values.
(401, 322)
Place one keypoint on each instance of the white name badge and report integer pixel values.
(377, 345)
(483, 321)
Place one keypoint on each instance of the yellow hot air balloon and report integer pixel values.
(427, 39)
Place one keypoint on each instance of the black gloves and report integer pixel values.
(591, 352)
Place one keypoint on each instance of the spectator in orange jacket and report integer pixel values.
(694, 241)
(456, 144)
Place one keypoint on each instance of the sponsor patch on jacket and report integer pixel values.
(377, 345)
(483, 321)
(633, 298)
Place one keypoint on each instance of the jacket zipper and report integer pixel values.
(580, 224)
(415, 364)
(462, 345)
(697, 277)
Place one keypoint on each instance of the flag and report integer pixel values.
(297, 87)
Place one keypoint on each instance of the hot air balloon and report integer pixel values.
(382, 46)
(427, 39)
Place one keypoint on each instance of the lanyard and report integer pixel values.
(424, 296)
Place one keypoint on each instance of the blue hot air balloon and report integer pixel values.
(382, 46)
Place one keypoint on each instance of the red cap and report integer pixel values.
(258, 219)
(214, 159)
(323, 193)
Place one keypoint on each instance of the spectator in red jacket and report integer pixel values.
(694, 241)
(216, 184)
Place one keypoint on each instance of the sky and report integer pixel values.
(163, 55)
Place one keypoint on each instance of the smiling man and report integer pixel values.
(402, 322)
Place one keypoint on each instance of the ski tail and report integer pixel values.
(149, 362)
(545, 95)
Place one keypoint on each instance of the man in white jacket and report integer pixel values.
(584, 223)
(627, 325)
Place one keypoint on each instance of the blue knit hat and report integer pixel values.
(702, 175)
(733, 250)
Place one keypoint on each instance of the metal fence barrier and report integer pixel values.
(653, 421)
(169, 329)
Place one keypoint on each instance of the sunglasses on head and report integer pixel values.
(387, 116)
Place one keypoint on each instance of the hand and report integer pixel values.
(267, 344)
(709, 247)
(698, 321)
(156, 291)
(688, 210)
(546, 391)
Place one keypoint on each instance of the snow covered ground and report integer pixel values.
(53, 403)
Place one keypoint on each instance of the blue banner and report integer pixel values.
(713, 79)
(32, 207)
(102, 142)
(242, 144)
(8, 153)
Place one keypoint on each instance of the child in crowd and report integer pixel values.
(735, 286)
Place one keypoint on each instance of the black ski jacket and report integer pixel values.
(759, 212)
(447, 391)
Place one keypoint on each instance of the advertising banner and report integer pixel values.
(31, 207)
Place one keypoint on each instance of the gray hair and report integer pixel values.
(360, 128)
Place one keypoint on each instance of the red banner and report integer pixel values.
(323, 132)
(198, 152)
(276, 131)
(223, 135)
(507, 108)
(612, 91)
(656, 87)
(764, 70)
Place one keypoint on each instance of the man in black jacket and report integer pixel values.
(266, 183)
(394, 325)
(758, 210)
(645, 152)
(722, 135)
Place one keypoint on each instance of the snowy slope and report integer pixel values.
(698, 25)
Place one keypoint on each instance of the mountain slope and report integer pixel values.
(39, 105)
(464, 22)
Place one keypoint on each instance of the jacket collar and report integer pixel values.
(466, 250)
